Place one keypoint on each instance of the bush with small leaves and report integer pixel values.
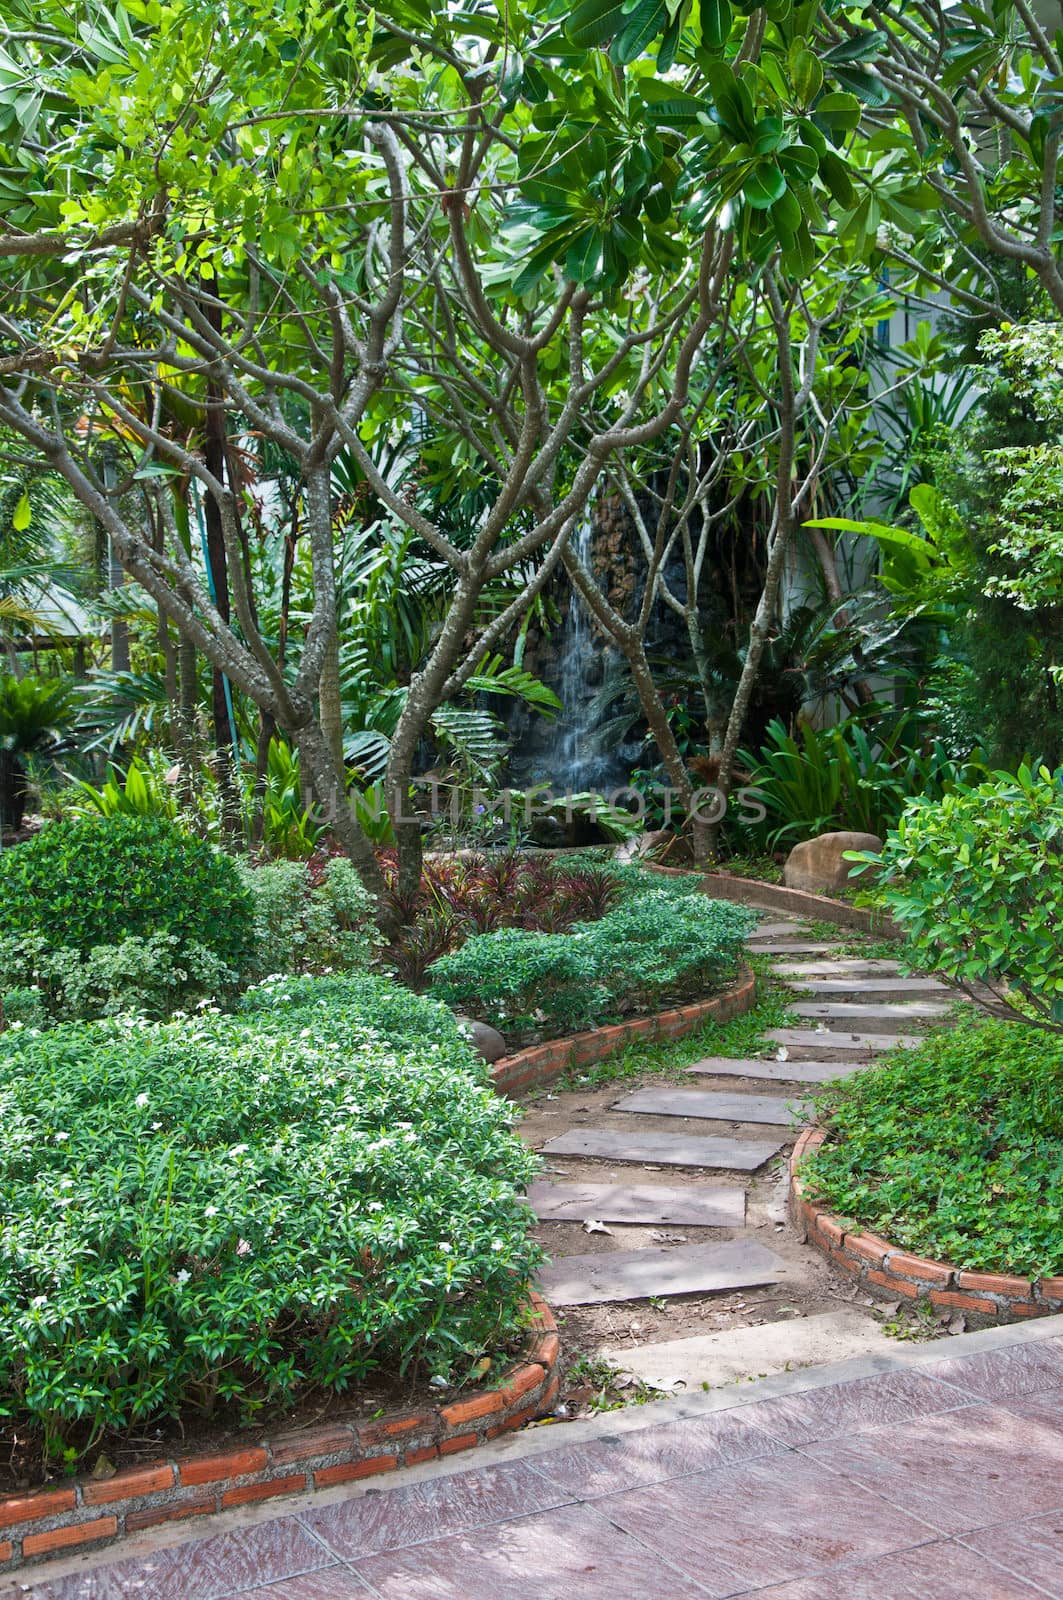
(308, 921)
(153, 977)
(95, 882)
(250, 1210)
(663, 944)
(519, 980)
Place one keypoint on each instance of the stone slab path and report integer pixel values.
(646, 1203)
(850, 1011)
(792, 1070)
(768, 1108)
(666, 1149)
(935, 1473)
(884, 1017)
(889, 988)
(836, 1043)
(644, 1274)
(730, 1356)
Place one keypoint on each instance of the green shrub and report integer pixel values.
(975, 880)
(303, 925)
(953, 1150)
(663, 943)
(152, 976)
(517, 979)
(86, 883)
(249, 1209)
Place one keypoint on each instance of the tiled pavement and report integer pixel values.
(928, 1476)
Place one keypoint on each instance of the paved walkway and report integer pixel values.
(927, 1476)
(629, 1168)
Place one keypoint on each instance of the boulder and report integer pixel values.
(819, 865)
(487, 1040)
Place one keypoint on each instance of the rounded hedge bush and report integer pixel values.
(96, 882)
(249, 1208)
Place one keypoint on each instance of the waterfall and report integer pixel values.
(579, 764)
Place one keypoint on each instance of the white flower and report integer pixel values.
(238, 1150)
(211, 1211)
(60, 1137)
(142, 1100)
(243, 1248)
(155, 1127)
(445, 1248)
(41, 1300)
(497, 1244)
(182, 1278)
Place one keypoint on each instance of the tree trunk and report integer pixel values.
(12, 790)
(316, 759)
(187, 699)
(330, 700)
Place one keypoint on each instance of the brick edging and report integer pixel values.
(542, 1063)
(890, 1273)
(50, 1521)
(776, 897)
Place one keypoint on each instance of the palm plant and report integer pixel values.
(36, 719)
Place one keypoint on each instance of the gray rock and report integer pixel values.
(819, 865)
(487, 1040)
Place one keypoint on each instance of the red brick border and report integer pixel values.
(512, 1075)
(99, 1511)
(889, 1273)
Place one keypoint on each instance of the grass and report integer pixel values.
(743, 1036)
(954, 1149)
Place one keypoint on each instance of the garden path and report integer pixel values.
(930, 1473)
(710, 1251)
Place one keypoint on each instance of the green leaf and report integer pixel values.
(584, 257)
(833, 171)
(20, 519)
(806, 73)
(764, 185)
(787, 215)
(838, 112)
(715, 23)
(644, 24)
(595, 22)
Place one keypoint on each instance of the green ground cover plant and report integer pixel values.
(953, 1150)
(243, 1211)
(663, 943)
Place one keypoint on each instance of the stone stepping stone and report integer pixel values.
(718, 1107)
(793, 947)
(883, 1018)
(840, 967)
(775, 930)
(822, 1044)
(637, 1274)
(664, 1149)
(620, 1202)
(858, 986)
(775, 1071)
(736, 1354)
